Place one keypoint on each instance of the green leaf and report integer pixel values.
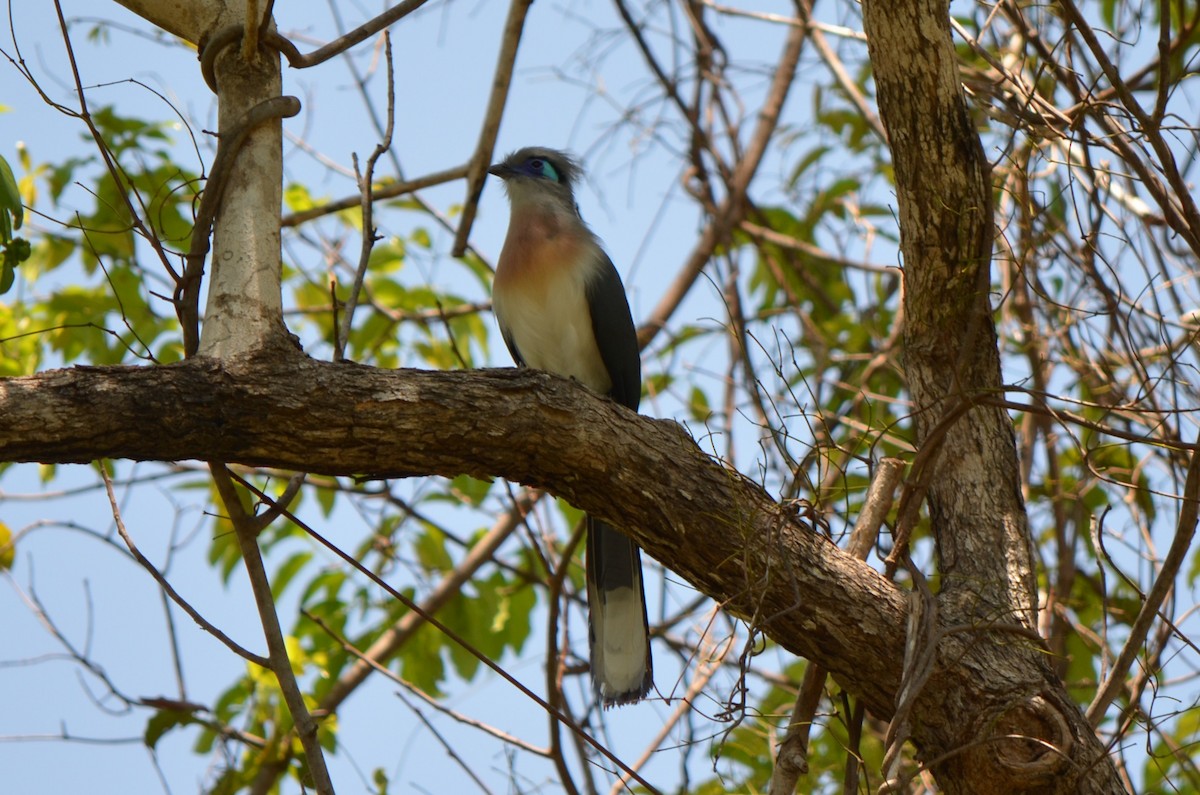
(50, 252)
(297, 198)
(430, 548)
(8, 550)
(7, 274)
(468, 618)
(328, 584)
(386, 258)
(805, 162)
(469, 490)
(223, 551)
(287, 572)
(10, 203)
(698, 405)
(162, 721)
(514, 617)
(326, 498)
(421, 660)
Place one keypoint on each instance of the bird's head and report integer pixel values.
(541, 175)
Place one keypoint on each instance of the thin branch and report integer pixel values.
(365, 186)
(166, 587)
(279, 663)
(447, 746)
(792, 757)
(394, 637)
(838, 69)
(348, 40)
(732, 208)
(387, 673)
(80, 656)
(700, 679)
(1178, 205)
(114, 169)
(1185, 531)
(445, 630)
(554, 659)
(387, 189)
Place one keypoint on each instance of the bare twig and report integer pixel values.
(115, 171)
(348, 40)
(1185, 531)
(732, 209)
(554, 664)
(366, 187)
(838, 70)
(81, 656)
(386, 189)
(394, 637)
(448, 747)
(702, 675)
(387, 673)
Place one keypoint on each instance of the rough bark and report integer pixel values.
(280, 409)
(944, 196)
(984, 550)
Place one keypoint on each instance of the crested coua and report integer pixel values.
(562, 308)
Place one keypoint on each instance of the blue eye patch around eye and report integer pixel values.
(543, 168)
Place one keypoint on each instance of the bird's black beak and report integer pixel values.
(501, 170)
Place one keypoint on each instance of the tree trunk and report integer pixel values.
(952, 363)
(245, 305)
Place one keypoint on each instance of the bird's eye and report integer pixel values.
(539, 166)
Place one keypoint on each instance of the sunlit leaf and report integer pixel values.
(8, 550)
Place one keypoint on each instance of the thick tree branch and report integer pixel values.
(709, 524)
(951, 359)
(245, 305)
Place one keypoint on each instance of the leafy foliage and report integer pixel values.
(14, 250)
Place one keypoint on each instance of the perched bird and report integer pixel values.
(561, 307)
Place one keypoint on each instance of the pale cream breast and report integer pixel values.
(539, 297)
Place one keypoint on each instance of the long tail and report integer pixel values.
(619, 633)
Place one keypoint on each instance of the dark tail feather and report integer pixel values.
(618, 630)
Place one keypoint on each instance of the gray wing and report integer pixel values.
(616, 336)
